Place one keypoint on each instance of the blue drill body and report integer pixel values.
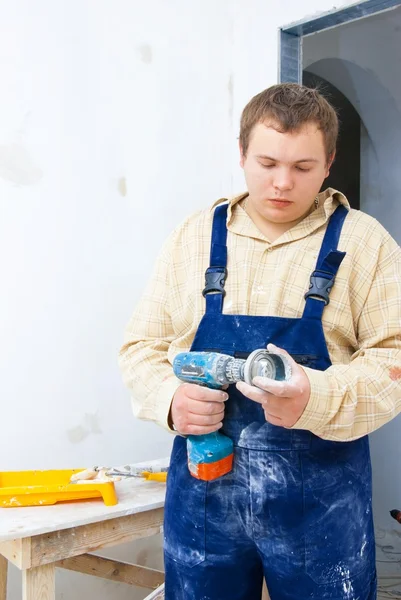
(210, 455)
(202, 368)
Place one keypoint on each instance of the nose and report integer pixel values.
(283, 180)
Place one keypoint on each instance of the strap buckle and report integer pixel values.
(215, 278)
(321, 283)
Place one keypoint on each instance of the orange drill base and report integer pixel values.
(210, 471)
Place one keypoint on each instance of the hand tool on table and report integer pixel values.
(148, 475)
(114, 474)
(211, 455)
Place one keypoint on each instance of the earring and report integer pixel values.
(316, 202)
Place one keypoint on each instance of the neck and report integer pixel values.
(270, 229)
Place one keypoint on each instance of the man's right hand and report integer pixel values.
(197, 410)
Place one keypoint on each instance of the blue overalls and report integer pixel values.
(296, 508)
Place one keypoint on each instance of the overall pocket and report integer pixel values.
(185, 511)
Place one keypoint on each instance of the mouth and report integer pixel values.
(280, 201)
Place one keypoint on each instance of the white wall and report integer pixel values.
(362, 60)
(117, 119)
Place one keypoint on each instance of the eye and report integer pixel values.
(267, 166)
(303, 169)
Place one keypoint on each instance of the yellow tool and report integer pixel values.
(160, 476)
(104, 474)
(148, 475)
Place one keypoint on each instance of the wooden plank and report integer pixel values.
(113, 570)
(3, 577)
(17, 552)
(59, 545)
(157, 594)
(39, 583)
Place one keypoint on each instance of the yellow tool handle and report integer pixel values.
(162, 476)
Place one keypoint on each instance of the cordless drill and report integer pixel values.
(211, 455)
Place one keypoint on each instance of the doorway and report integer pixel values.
(345, 171)
(353, 56)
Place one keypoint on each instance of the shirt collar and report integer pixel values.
(240, 223)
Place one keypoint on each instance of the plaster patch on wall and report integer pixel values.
(80, 432)
(146, 53)
(77, 434)
(17, 166)
(122, 186)
(92, 420)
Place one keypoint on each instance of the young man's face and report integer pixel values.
(284, 172)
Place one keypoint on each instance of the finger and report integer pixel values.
(200, 429)
(277, 350)
(292, 363)
(282, 389)
(198, 392)
(252, 392)
(200, 407)
(205, 420)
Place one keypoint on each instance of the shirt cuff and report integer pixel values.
(166, 394)
(316, 414)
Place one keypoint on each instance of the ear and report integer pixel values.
(242, 157)
(329, 163)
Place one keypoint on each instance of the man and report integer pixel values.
(322, 283)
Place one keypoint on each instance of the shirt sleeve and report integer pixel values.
(348, 401)
(143, 359)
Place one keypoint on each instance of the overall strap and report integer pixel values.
(327, 265)
(215, 275)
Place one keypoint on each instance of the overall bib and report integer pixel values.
(295, 509)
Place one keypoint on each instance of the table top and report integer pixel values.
(135, 495)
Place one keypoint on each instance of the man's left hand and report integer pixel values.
(283, 402)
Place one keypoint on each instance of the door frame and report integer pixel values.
(291, 36)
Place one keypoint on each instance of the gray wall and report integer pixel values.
(362, 60)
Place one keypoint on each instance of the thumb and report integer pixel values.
(277, 350)
(292, 365)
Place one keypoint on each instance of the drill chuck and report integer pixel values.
(234, 370)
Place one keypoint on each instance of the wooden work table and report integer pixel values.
(39, 539)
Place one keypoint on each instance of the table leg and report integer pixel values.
(39, 583)
(3, 577)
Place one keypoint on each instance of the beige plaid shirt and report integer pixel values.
(362, 323)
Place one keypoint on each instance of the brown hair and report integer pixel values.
(290, 106)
